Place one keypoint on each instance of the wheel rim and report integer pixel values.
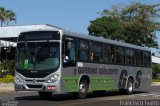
(130, 87)
(82, 88)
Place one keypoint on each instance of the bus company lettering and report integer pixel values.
(89, 70)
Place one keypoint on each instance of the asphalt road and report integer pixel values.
(108, 99)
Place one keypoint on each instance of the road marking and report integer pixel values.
(144, 96)
(148, 95)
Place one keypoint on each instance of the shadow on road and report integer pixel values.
(67, 97)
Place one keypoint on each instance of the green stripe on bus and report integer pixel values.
(71, 83)
(102, 83)
(96, 83)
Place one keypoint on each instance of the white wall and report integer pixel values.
(155, 60)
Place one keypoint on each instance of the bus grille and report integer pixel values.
(31, 81)
(34, 86)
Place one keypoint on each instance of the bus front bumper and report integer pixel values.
(45, 87)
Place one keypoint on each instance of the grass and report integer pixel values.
(7, 79)
(156, 80)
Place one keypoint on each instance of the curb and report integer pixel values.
(155, 84)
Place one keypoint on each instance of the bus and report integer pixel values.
(61, 61)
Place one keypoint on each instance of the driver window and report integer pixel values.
(68, 51)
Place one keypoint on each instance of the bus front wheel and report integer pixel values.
(83, 89)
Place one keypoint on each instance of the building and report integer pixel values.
(155, 60)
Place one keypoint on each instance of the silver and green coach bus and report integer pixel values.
(61, 61)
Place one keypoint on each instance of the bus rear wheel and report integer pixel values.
(129, 89)
(83, 89)
(45, 95)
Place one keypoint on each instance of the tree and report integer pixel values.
(2, 15)
(10, 16)
(108, 27)
(6, 16)
(156, 70)
(135, 23)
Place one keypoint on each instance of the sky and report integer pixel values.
(74, 15)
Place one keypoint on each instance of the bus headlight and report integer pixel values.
(54, 78)
(18, 79)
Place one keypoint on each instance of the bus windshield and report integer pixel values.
(37, 56)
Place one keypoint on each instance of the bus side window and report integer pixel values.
(119, 55)
(105, 53)
(111, 54)
(138, 57)
(83, 50)
(68, 52)
(147, 59)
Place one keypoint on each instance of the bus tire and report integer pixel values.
(83, 89)
(45, 95)
(129, 89)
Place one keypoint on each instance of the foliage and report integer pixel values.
(6, 16)
(7, 79)
(135, 23)
(108, 27)
(7, 66)
(156, 68)
(156, 80)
